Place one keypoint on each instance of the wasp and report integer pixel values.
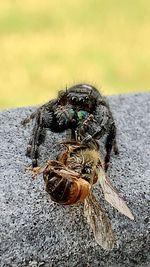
(70, 179)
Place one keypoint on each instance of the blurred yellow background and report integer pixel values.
(46, 45)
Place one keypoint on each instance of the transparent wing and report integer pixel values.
(99, 223)
(111, 195)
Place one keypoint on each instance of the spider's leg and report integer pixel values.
(82, 131)
(69, 134)
(115, 146)
(74, 135)
(47, 107)
(29, 118)
(38, 137)
(110, 143)
(43, 119)
(106, 125)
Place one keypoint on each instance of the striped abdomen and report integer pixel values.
(64, 185)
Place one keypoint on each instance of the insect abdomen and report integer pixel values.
(66, 191)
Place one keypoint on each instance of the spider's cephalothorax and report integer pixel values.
(80, 108)
(82, 97)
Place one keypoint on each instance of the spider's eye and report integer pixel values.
(81, 100)
(74, 99)
(87, 98)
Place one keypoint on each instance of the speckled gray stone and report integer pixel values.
(36, 232)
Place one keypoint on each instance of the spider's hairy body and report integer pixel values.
(80, 108)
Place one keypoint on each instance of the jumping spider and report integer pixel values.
(80, 108)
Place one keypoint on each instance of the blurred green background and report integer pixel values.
(46, 45)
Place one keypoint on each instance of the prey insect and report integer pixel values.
(70, 180)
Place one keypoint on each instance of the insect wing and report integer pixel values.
(99, 223)
(111, 195)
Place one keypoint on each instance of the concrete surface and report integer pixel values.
(36, 232)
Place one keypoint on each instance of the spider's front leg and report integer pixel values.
(30, 117)
(84, 133)
(110, 143)
(106, 126)
(43, 117)
(43, 120)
